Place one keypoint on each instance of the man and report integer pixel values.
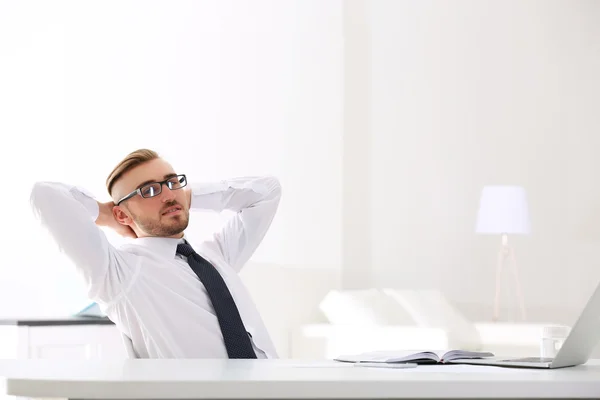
(174, 299)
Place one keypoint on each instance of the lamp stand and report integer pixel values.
(506, 253)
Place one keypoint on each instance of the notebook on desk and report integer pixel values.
(419, 357)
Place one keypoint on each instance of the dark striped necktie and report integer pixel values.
(237, 341)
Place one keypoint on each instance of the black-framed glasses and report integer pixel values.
(155, 188)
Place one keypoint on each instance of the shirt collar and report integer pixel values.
(166, 247)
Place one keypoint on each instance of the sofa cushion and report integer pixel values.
(430, 309)
(363, 307)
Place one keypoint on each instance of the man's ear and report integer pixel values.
(121, 216)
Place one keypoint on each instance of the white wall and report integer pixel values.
(406, 107)
(469, 93)
(218, 88)
(356, 153)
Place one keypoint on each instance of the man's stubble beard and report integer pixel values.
(157, 228)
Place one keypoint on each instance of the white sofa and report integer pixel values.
(308, 316)
(392, 319)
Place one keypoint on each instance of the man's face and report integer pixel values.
(150, 216)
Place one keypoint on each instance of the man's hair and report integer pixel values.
(130, 161)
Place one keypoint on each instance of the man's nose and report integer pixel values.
(166, 194)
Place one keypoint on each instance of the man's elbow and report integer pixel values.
(274, 187)
(45, 197)
(39, 191)
(268, 186)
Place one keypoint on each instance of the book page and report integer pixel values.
(457, 354)
(391, 356)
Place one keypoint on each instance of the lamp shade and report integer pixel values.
(503, 209)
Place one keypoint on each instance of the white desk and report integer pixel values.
(285, 379)
(60, 338)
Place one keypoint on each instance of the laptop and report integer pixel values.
(576, 349)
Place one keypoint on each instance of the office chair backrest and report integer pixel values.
(128, 346)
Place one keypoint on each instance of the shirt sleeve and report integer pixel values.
(69, 214)
(253, 199)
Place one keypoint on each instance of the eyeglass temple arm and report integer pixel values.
(130, 195)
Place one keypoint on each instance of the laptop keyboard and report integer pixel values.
(531, 359)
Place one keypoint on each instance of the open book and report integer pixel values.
(419, 357)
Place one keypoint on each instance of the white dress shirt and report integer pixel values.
(145, 288)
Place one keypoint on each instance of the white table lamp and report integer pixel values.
(502, 211)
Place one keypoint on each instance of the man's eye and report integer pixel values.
(149, 191)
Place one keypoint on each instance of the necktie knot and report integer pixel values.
(185, 249)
